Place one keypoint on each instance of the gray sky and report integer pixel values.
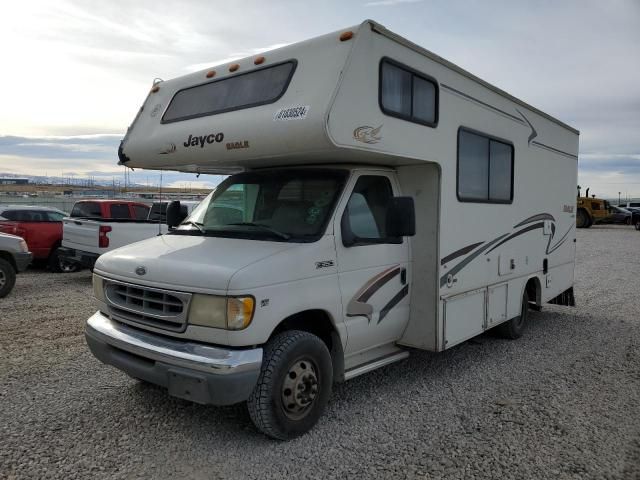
(77, 71)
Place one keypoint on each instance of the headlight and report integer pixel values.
(98, 288)
(230, 313)
(208, 311)
(23, 246)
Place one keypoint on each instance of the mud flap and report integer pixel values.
(565, 298)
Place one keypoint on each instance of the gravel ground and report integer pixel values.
(561, 402)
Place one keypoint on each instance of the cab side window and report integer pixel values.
(365, 217)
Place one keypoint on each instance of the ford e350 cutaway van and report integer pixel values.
(379, 199)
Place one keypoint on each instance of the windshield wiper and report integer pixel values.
(195, 224)
(284, 236)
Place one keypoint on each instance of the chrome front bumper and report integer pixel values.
(190, 370)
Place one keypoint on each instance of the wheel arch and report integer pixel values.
(320, 323)
(533, 287)
(9, 258)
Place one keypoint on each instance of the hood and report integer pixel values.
(184, 262)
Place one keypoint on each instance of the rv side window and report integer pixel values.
(485, 168)
(407, 94)
(258, 87)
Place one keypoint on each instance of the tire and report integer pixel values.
(637, 225)
(57, 265)
(514, 328)
(7, 278)
(582, 219)
(293, 387)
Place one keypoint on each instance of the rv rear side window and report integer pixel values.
(407, 94)
(245, 90)
(485, 168)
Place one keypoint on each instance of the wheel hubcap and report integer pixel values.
(66, 267)
(299, 389)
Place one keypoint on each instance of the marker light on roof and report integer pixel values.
(233, 67)
(258, 60)
(344, 36)
(211, 73)
(155, 88)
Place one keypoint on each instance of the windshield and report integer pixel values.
(282, 205)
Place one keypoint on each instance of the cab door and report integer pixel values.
(372, 267)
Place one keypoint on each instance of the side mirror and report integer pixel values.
(401, 217)
(176, 213)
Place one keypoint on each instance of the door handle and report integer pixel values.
(403, 275)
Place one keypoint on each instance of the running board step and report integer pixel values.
(377, 363)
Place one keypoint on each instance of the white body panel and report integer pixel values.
(82, 234)
(467, 266)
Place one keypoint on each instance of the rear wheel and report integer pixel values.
(59, 265)
(514, 328)
(7, 278)
(293, 387)
(582, 219)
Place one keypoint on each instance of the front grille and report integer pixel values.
(164, 309)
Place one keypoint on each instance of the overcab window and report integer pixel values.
(258, 87)
(485, 168)
(407, 94)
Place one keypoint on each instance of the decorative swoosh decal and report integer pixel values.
(534, 134)
(460, 252)
(533, 222)
(535, 226)
(393, 302)
(358, 304)
(463, 263)
(535, 218)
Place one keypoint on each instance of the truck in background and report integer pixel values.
(98, 226)
(41, 228)
(381, 199)
(15, 257)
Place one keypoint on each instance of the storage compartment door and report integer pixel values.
(463, 317)
(497, 305)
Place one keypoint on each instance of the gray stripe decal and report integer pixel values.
(560, 242)
(460, 252)
(463, 263)
(540, 216)
(535, 226)
(393, 302)
(555, 150)
(534, 134)
(473, 99)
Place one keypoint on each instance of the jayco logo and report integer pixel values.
(194, 140)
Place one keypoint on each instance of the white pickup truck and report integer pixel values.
(88, 234)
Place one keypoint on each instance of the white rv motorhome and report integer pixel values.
(380, 199)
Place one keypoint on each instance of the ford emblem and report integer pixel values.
(141, 270)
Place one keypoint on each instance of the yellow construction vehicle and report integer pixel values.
(591, 210)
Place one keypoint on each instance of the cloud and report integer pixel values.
(233, 56)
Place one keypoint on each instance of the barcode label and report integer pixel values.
(292, 113)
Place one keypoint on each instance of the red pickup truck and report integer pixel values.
(41, 228)
(121, 209)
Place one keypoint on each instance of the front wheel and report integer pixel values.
(293, 387)
(514, 328)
